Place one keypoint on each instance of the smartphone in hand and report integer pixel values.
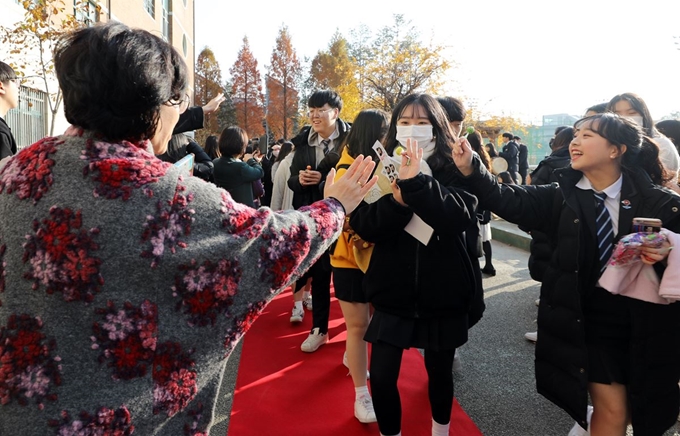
(647, 225)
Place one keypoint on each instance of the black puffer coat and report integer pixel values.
(305, 155)
(541, 249)
(409, 279)
(566, 214)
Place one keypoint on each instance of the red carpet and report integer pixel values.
(282, 391)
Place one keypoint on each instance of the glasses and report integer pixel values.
(17, 81)
(318, 112)
(182, 103)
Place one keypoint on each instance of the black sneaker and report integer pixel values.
(489, 271)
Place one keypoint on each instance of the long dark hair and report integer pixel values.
(506, 178)
(492, 150)
(670, 129)
(637, 103)
(370, 125)
(212, 147)
(562, 139)
(286, 148)
(177, 148)
(475, 140)
(641, 150)
(443, 135)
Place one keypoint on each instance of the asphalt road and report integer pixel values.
(496, 384)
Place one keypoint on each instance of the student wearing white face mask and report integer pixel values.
(634, 107)
(421, 284)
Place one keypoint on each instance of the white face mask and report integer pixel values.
(275, 153)
(637, 119)
(422, 134)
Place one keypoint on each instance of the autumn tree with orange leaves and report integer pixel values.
(400, 64)
(283, 82)
(246, 91)
(208, 82)
(333, 69)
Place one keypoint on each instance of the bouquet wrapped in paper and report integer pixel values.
(627, 250)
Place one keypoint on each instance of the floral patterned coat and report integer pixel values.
(124, 287)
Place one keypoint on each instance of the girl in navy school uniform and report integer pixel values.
(620, 351)
(422, 290)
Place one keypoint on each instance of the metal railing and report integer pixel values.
(28, 121)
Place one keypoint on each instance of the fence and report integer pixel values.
(29, 121)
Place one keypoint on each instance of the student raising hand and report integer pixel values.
(462, 156)
(410, 160)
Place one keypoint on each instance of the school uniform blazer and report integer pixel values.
(567, 215)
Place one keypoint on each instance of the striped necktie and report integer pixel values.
(605, 231)
(325, 144)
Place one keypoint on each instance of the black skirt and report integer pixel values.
(437, 334)
(348, 285)
(608, 336)
(627, 337)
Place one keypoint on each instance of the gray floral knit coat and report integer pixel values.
(124, 287)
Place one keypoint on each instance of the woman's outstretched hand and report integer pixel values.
(353, 186)
(462, 156)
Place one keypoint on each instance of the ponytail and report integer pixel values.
(648, 160)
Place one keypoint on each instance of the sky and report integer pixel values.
(521, 58)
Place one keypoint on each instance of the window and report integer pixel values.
(150, 7)
(166, 21)
(86, 12)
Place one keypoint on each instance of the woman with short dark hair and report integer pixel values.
(233, 174)
(124, 286)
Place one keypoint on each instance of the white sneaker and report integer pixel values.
(457, 366)
(531, 336)
(363, 410)
(297, 315)
(538, 302)
(307, 303)
(314, 341)
(346, 363)
(577, 430)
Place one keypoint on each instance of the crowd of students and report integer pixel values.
(393, 208)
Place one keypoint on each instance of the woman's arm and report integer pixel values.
(251, 170)
(381, 220)
(527, 206)
(440, 207)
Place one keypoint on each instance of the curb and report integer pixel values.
(508, 233)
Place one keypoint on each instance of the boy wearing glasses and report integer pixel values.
(9, 99)
(317, 150)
